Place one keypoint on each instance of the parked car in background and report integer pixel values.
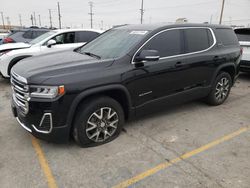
(243, 35)
(127, 71)
(3, 35)
(23, 35)
(52, 41)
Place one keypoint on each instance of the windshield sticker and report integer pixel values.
(138, 32)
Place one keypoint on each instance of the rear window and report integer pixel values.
(197, 39)
(226, 36)
(243, 34)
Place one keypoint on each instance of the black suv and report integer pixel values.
(129, 70)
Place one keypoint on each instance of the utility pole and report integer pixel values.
(39, 17)
(20, 20)
(102, 25)
(50, 18)
(59, 15)
(34, 18)
(8, 22)
(91, 14)
(222, 9)
(31, 18)
(3, 20)
(142, 10)
(211, 19)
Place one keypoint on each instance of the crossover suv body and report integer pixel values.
(243, 35)
(23, 35)
(56, 40)
(125, 72)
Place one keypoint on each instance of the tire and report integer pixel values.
(93, 129)
(220, 89)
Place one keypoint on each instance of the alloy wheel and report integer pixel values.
(102, 124)
(222, 89)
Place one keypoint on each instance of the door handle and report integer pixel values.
(178, 64)
(216, 58)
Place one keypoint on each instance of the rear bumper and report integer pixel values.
(245, 66)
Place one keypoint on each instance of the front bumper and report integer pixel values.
(245, 66)
(34, 122)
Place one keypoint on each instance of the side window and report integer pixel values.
(86, 36)
(69, 38)
(226, 36)
(65, 38)
(28, 34)
(197, 39)
(168, 43)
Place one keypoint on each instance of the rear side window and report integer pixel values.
(168, 43)
(243, 34)
(86, 36)
(197, 39)
(28, 35)
(37, 34)
(226, 36)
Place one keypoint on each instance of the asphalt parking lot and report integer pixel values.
(192, 145)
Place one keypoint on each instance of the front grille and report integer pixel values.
(20, 92)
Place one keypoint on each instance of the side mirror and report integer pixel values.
(147, 55)
(51, 43)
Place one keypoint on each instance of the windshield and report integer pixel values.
(113, 44)
(42, 37)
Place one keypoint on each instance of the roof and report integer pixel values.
(69, 30)
(150, 27)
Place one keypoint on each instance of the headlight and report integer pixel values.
(48, 92)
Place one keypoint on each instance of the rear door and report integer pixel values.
(199, 57)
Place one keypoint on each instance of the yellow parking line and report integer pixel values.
(165, 165)
(44, 164)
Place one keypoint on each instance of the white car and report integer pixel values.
(243, 35)
(49, 42)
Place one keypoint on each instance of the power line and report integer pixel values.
(91, 13)
(59, 15)
(3, 20)
(222, 9)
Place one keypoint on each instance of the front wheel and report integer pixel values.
(220, 90)
(98, 121)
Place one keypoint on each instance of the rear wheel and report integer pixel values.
(221, 89)
(98, 121)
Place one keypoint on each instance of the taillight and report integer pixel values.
(241, 51)
(8, 40)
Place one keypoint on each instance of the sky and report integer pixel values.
(116, 12)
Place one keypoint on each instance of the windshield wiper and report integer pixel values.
(92, 55)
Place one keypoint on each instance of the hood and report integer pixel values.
(13, 46)
(62, 64)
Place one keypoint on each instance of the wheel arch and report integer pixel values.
(229, 68)
(115, 91)
(14, 61)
